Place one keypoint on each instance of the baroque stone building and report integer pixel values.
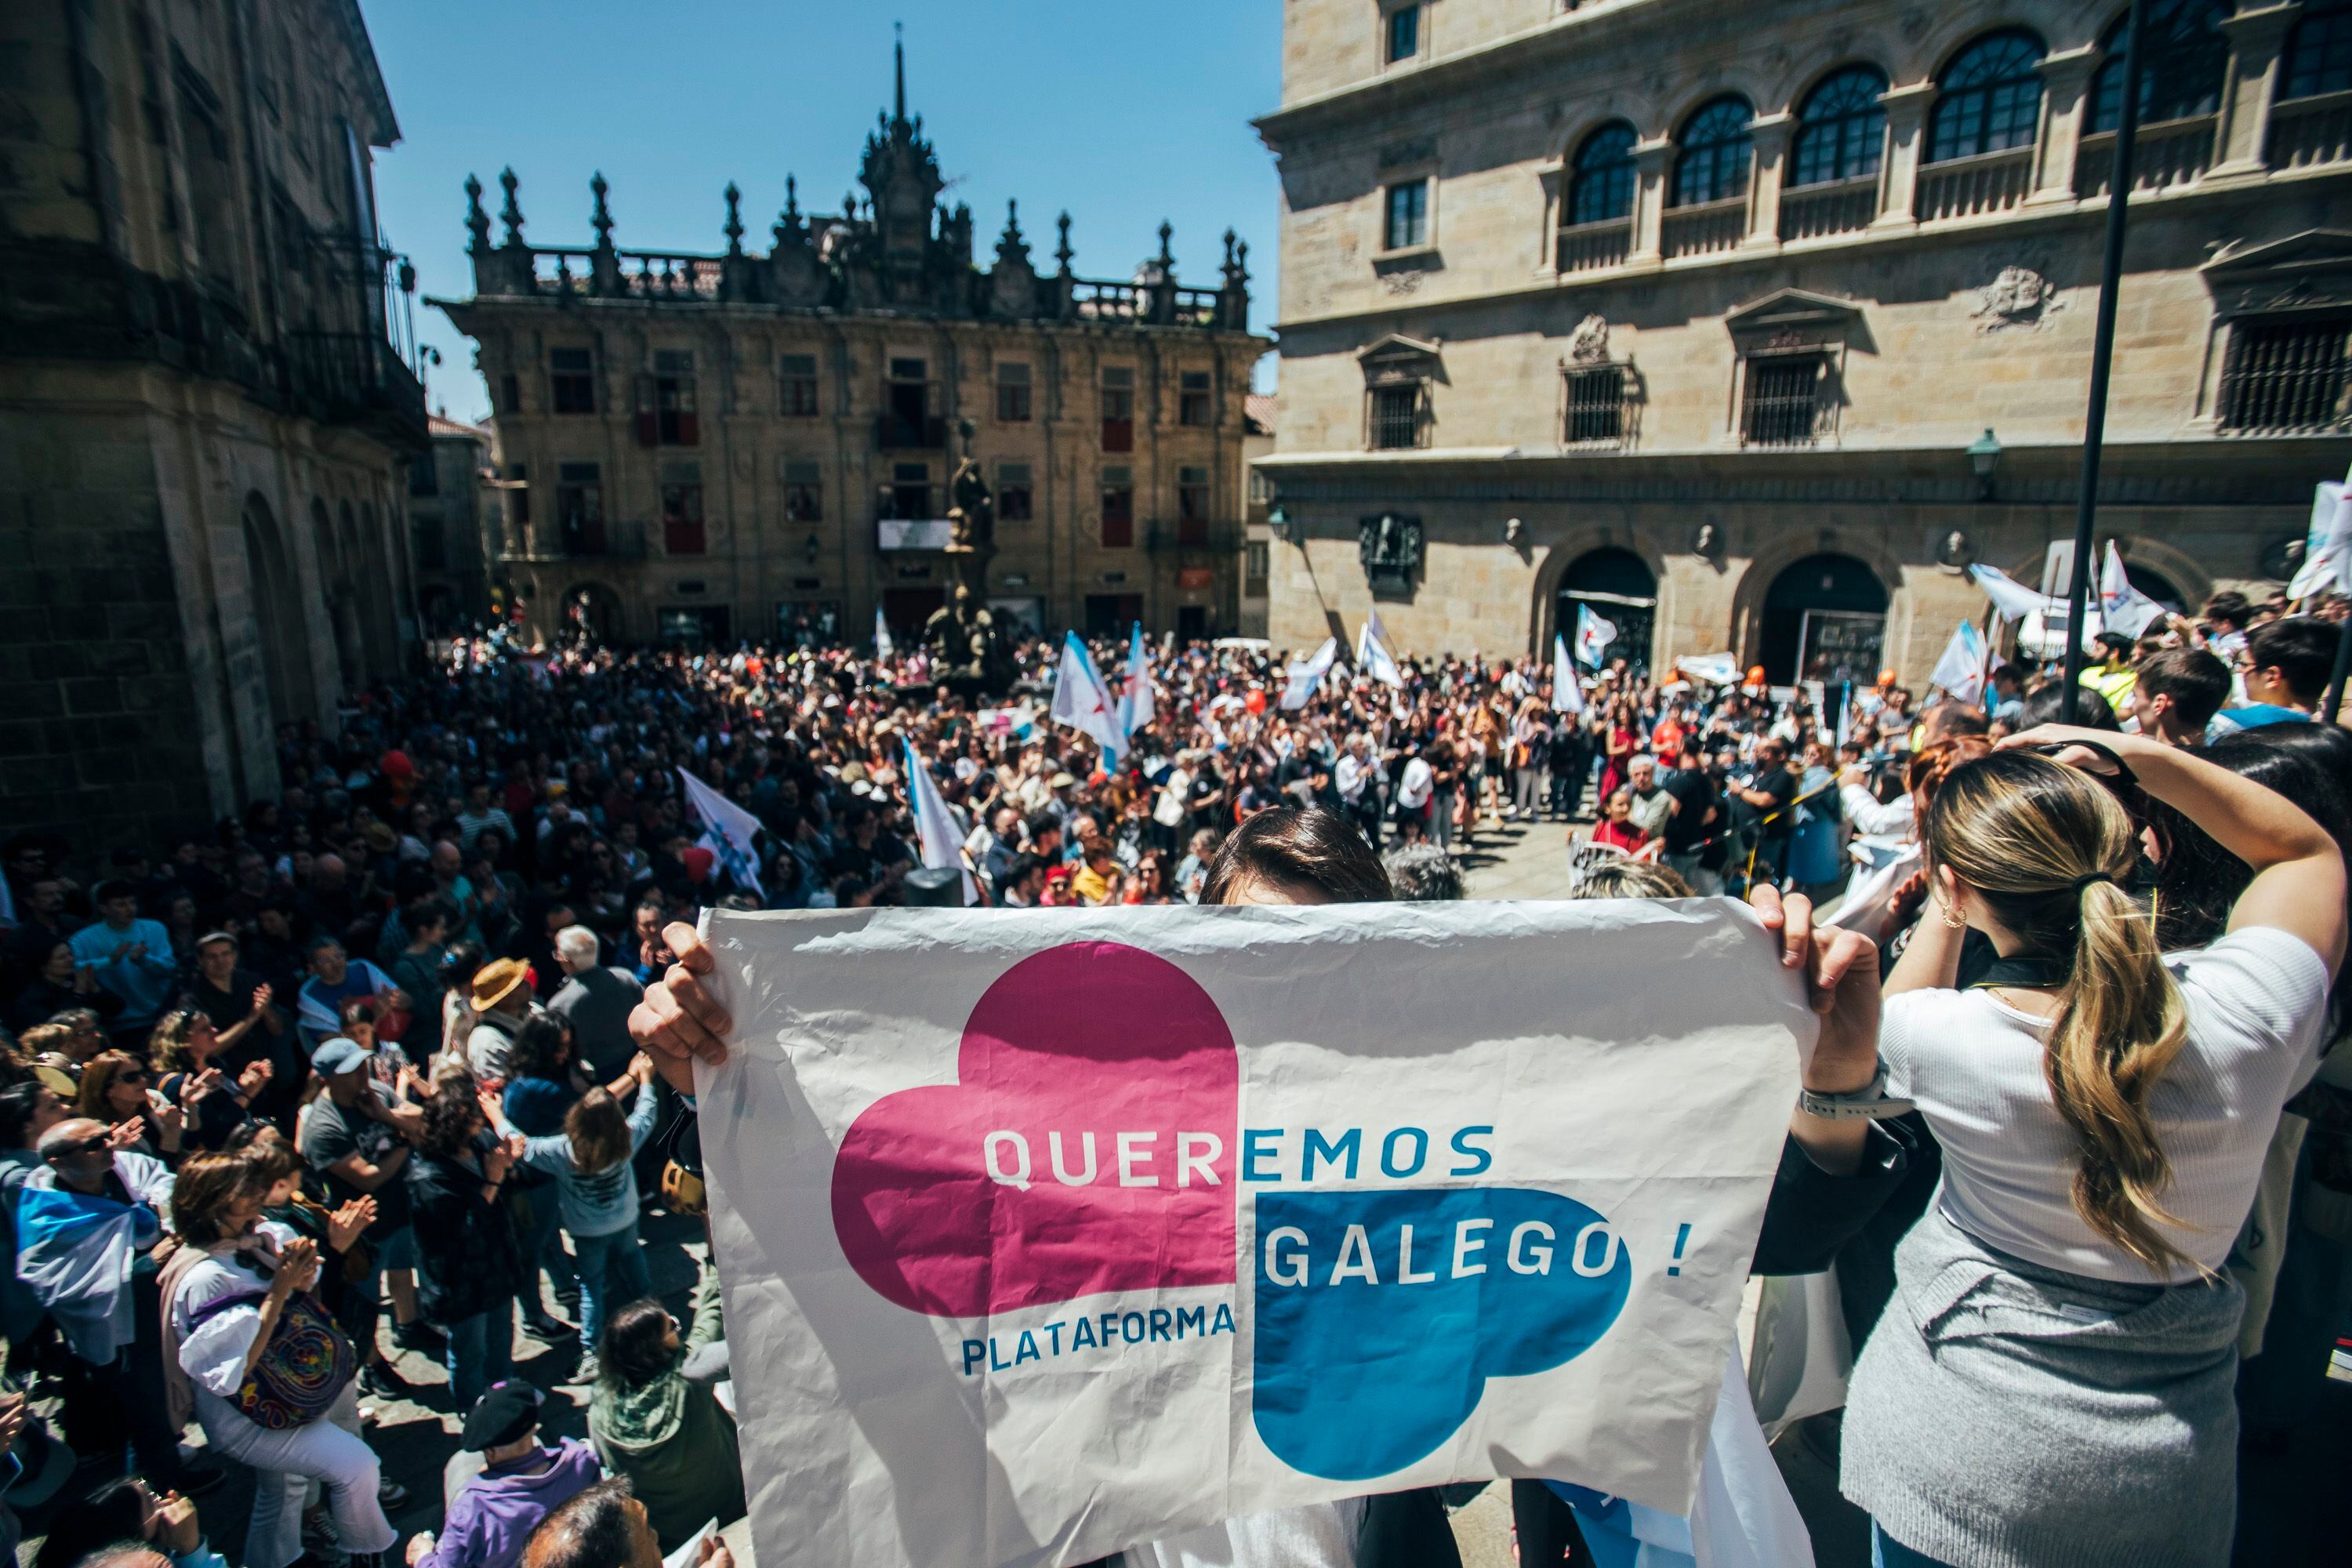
(1750, 325)
(203, 403)
(702, 447)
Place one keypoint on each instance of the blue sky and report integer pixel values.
(1123, 113)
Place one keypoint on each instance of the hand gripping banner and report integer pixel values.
(1047, 1232)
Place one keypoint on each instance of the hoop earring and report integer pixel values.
(1954, 917)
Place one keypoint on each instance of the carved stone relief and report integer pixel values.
(2017, 297)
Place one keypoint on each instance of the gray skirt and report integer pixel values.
(2007, 1416)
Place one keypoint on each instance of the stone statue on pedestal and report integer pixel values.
(970, 655)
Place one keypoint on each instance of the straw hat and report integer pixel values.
(496, 981)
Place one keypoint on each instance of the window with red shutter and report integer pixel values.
(1118, 508)
(682, 533)
(1119, 408)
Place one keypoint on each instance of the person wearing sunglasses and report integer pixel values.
(118, 1088)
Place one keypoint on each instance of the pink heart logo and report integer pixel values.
(1087, 1145)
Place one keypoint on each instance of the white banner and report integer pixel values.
(914, 533)
(1044, 1234)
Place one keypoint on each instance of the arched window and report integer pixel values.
(2319, 51)
(2182, 64)
(1841, 128)
(1990, 98)
(1713, 164)
(1600, 182)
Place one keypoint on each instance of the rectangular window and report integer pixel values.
(910, 419)
(1013, 393)
(1192, 398)
(580, 509)
(2284, 376)
(1261, 489)
(910, 491)
(1117, 508)
(796, 387)
(1015, 497)
(424, 476)
(681, 509)
(1119, 408)
(519, 503)
(1193, 508)
(1254, 568)
(803, 492)
(432, 553)
(665, 402)
(1403, 33)
(809, 623)
(571, 380)
(1596, 406)
(1408, 216)
(1785, 400)
(509, 393)
(1396, 417)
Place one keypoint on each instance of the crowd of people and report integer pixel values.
(411, 1034)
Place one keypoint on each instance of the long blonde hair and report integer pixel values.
(2049, 849)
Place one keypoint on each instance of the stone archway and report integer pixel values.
(1823, 617)
(1617, 585)
(589, 614)
(274, 586)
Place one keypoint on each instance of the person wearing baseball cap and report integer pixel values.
(495, 1505)
(352, 1137)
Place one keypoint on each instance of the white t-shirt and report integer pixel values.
(1318, 1535)
(2257, 1002)
(1418, 784)
(212, 1353)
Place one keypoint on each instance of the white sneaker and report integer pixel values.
(585, 1373)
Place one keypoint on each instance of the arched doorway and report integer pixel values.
(1618, 586)
(271, 583)
(1824, 619)
(590, 616)
(2157, 586)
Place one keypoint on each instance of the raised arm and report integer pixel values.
(2299, 877)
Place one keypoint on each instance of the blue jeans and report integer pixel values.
(1886, 1552)
(611, 1274)
(480, 1352)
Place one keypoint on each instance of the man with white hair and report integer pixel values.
(1358, 780)
(595, 999)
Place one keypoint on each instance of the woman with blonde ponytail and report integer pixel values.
(2052, 1386)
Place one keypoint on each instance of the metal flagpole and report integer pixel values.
(2094, 426)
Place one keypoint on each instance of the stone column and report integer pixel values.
(1649, 200)
(2257, 40)
(1770, 133)
(1906, 126)
(2065, 121)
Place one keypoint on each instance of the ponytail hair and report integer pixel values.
(2049, 849)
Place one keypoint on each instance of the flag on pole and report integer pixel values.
(935, 827)
(882, 648)
(1135, 703)
(1305, 678)
(2122, 607)
(726, 832)
(1567, 691)
(1082, 702)
(2012, 598)
(1372, 655)
(1845, 713)
(2328, 545)
(1593, 636)
(1961, 669)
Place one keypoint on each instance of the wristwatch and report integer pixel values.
(1868, 1103)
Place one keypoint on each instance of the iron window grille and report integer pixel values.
(1396, 417)
(1788, 400)
(1598, 407)
(2286, 377)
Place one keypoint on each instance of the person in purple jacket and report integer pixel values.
(493, 1513)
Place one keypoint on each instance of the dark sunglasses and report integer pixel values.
(135, 1075)
(84, 1147)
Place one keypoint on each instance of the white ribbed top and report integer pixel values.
(2257, 1004)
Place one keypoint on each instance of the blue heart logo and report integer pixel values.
(1381, 1315)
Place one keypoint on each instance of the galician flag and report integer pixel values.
(1567, 691)
(1305, 678)
(1593, 636)
(1961, 671)
(726, 832)
(2012, 599)
(1136, 709)
(1082, 702)
(2328, 546)
(1372, 655)
(934, 824)
(882, 648)
(2122, 607)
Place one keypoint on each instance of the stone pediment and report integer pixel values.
(1396, 345)
(2312, 268)
(1792, 309)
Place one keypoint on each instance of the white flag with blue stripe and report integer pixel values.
(1136, 709)
(1082, 702)
(728, 832)
(1593, 636)
(935, 827)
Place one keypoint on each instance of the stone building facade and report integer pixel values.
(1751, 325)
(453, 526)
(205, 410)
(704, 449)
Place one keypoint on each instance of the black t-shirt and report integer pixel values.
(1779, 822)
(1693, 792)
(330, 1132)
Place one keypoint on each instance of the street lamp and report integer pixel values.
(1277, 522)
(1984, 459)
